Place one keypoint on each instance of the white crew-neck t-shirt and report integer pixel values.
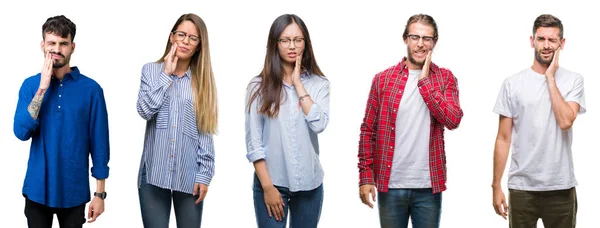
(541, 152)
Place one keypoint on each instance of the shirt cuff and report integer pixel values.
(28, 122)
(164, 79)
(255, 155)
(100, 173)
(425, 83)
(203, 179)
(314, 113)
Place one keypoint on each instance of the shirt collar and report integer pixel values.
(73, 75)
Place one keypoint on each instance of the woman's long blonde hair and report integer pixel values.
(203, 81)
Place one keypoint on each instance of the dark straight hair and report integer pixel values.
(271, 83)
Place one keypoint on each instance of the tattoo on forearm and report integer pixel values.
(36, 103)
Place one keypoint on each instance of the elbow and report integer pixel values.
(22, 137)
(318, 129)
(565, 125)
(453, 123)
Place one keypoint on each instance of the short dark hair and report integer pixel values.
(547, 20)
(423, 18)
(59, 25)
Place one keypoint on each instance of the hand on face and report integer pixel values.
(554, 64)
(171, 60)
(297, 69)
(425, 71)
(46, 72)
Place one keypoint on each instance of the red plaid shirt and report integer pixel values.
(377, 132)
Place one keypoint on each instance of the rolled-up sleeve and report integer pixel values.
(254, 127)
(24, 125)
(99, 136)
(318, 116)
(206, 160)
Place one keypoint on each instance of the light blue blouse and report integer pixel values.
(288, 143)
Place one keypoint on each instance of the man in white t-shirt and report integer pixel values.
(537, 107)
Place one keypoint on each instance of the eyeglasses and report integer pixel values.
(416, 38)
(179, 36)
(298, 42)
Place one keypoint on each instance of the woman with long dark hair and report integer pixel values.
(178, 98)
(287, 106)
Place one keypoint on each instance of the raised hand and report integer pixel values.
(425, 71)
(296, 73)
(171, 60)
(46, 71)
(554, 64)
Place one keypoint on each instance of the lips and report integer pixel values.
(183, 49)
(292, 54)
(421, 53)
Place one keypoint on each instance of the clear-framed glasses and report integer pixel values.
(285, 42)
(179, 36)
(416, 38)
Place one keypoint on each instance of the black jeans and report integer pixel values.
(41, 216)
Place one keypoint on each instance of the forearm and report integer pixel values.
(500, 157)
(444, 106)
(36, 103)
(260, 167)
(563, 113)
(100, 185)
(307, 101)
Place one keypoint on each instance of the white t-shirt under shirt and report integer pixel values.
(541, 152)
(410, 164)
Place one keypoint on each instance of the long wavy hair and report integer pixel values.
(271, 83)
(203, 82)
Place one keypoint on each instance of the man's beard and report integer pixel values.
(541, 60)
(413, 60)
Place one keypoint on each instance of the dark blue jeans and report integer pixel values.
(155, 203)
(304, 207)
(421, 205)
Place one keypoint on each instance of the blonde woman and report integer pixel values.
(178, 99)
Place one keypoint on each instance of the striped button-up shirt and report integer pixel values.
(288, 143)
(377, 138)
(176, 155)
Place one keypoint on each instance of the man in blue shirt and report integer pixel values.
(64, 114)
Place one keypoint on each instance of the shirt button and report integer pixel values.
(173, 140)
(389, 166)
(174, 126)
(59, 95)
(394, 110)
(392, 129)
(391, 147)
(59, 106)
(60, 84)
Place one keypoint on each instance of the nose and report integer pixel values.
(420, 42)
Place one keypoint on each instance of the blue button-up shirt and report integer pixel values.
(176, 155)
(288, 143)
(72, 125)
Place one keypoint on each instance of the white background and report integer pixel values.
(482, 43)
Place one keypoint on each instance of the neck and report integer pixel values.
(182, 67)
(288, 70)
(59, 73)
(539, 67)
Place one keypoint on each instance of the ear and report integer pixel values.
(562, 43)
(42, 47)
(406, 41)
(531, 41)
(72, 47)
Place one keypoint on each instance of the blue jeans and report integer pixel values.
(421, 205)
(155, 204)
(304, 207)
